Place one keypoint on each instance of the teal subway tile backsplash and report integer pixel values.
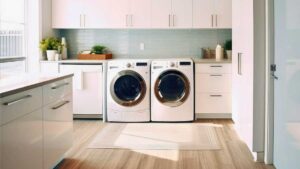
(158, 43)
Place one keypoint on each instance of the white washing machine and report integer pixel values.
(128, 91)
(172, 90)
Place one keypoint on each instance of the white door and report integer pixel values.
(287, 91)
(67, 14)
(161, 13)
(203, 13)
(140, 14)
(182, 13)
(97, 13)
(223, 15)
(119, 14)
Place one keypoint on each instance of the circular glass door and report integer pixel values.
(128, 88)
(172, 88)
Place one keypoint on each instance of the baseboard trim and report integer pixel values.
(87, 116)
(213, 115)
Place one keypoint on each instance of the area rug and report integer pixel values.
(157, 136)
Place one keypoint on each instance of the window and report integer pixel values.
(12, 36)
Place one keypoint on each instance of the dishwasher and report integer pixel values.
(87, 88)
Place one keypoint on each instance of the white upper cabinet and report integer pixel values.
(212, 13)
(172, 14)
(182, 11)
(67, 13)
(161, 13)
(223, 17)
(139, 14)
(119, 15)
(96, 14)
(203, 13)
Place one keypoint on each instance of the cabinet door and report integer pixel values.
(223, 16)
(119, 14)
(67, 14)
(203, 13)
(21, 142)
(97, 13)
(182, 13)
(140, 14)
(161, 11)
(87, 84)
(58, 130)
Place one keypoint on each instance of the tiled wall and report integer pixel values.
(158, 43)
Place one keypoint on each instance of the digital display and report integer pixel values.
(185, 63)
(141, 64)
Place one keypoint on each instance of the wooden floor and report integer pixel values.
(233, 155)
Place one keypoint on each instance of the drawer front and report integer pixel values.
(57, 90)
(213, 68)
(213, 103)
(17, 105)
(58, 130)
(213, 83)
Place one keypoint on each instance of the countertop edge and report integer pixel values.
(35, 85)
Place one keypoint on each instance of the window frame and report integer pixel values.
(25, 42)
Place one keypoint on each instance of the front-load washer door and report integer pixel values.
(172, 88)
(128, 88)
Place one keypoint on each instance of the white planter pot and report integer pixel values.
(229, 54)
(51, 54)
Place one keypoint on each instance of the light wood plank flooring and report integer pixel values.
(234, 154)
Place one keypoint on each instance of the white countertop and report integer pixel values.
(14, 84)
(196, 60)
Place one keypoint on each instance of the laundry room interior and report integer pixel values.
(149, 84)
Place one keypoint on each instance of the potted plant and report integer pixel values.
(98, 49)
(52, 46)
(228, 48)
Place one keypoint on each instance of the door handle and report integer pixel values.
(240, 63)
(274, 76)
(216, 20)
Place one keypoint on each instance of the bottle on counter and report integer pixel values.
(219, 52)
(64, 54)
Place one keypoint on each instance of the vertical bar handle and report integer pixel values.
(216, 20)
(240, 63)
(212, 21)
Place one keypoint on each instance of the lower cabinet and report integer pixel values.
(58, 130)
(22, 142)
(213, 90)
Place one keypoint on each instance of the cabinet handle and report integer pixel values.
(173, 21)
(240, 63)
(215, 95)
(212, 20)
(216, 75)
(80, 24)
(169, 20)
(60, 105)
(131, 24)
(84, 21)
(216, 20)
(58, 86)
(126, 19)
(17, 100)
(216, 66)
